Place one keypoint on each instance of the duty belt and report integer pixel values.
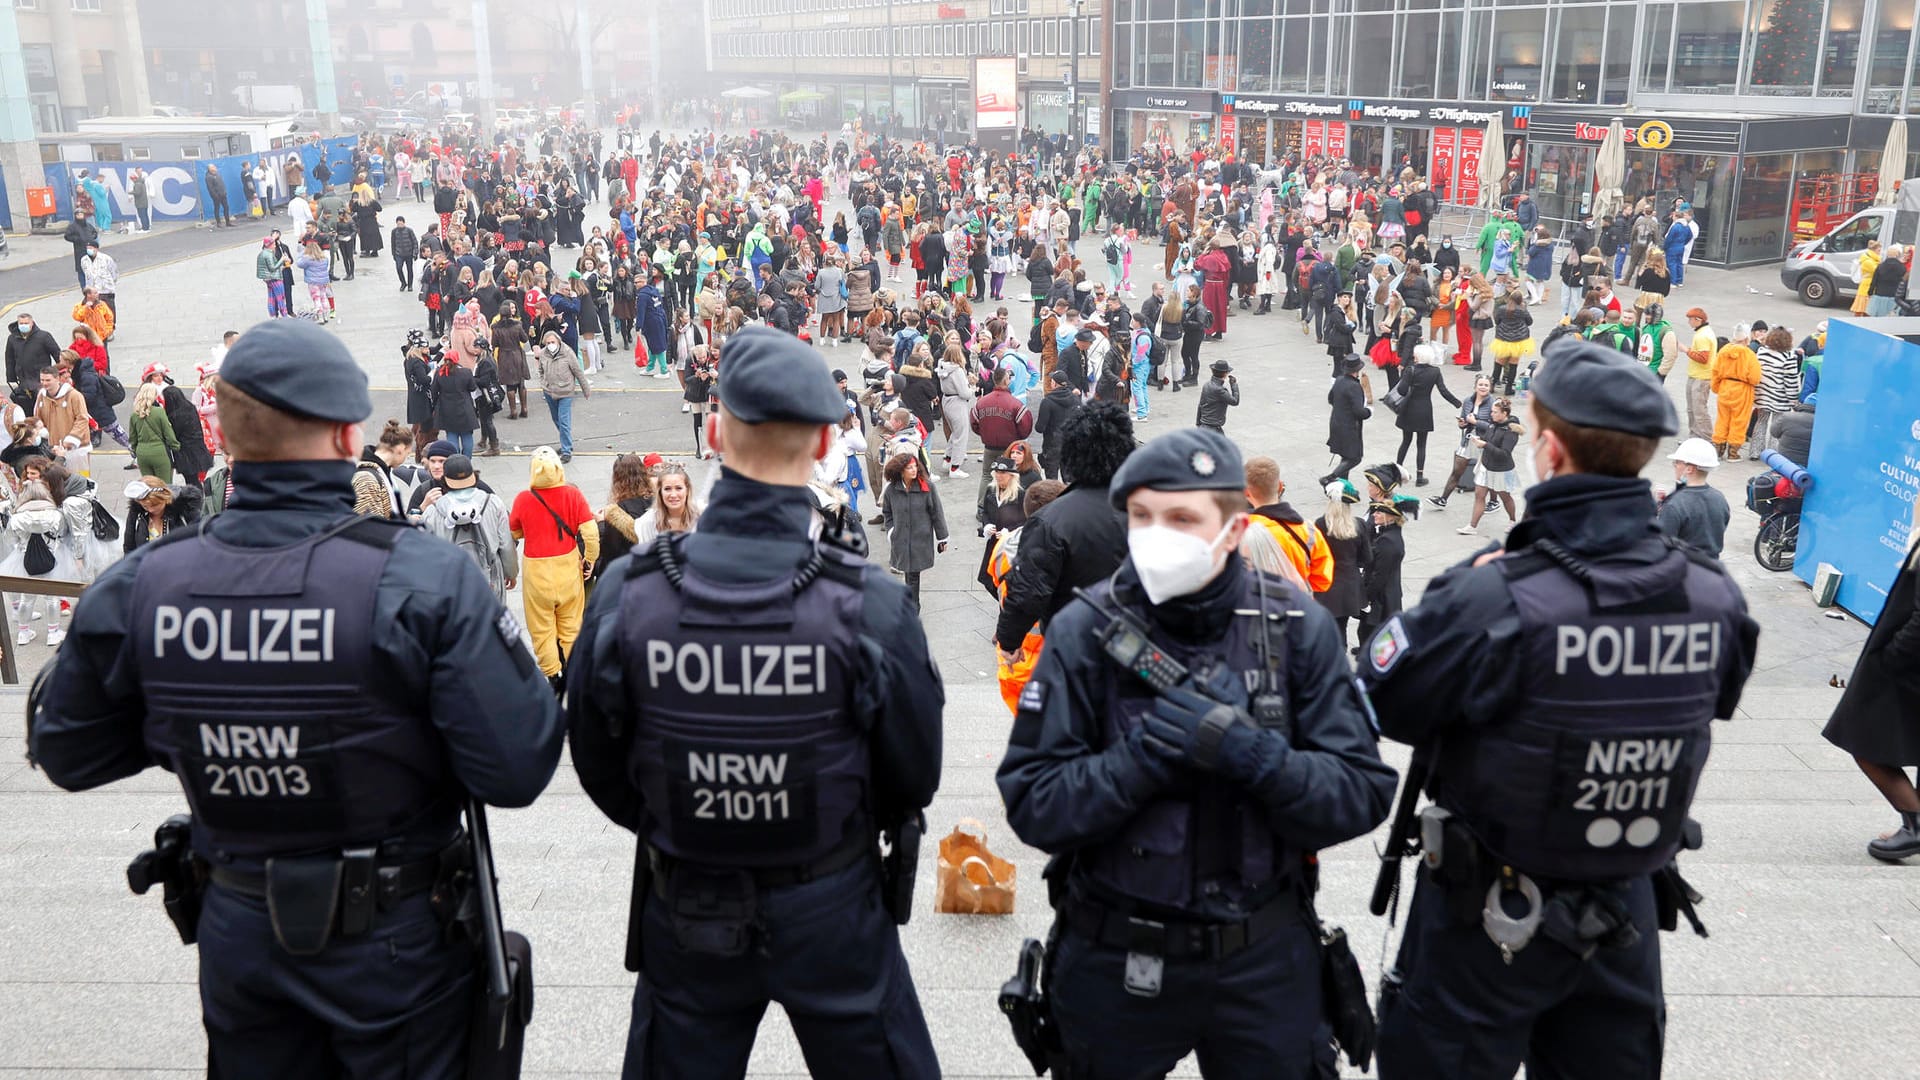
(391, 883)
(1172, 940)
(847, 854)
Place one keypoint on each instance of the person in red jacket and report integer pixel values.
(1000, 419)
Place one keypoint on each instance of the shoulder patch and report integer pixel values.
(1033, 696)
(1389, 644)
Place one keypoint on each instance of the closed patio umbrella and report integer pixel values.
(1610, 171)
(1493, 174)
(1893, 162)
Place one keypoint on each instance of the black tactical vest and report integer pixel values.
(1620, 669)
(264, 699)
(1200, 846)
(747, 747)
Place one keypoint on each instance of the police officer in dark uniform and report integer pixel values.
(757, 704)
(328, 689)
(1191, 735)
(1558, 695)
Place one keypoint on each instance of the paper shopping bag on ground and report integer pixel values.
(971, 880)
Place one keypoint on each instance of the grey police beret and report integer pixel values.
(1190, 459)
(298, 368)
(1594, 386)
(766, 375)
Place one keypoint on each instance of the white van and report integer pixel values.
(1820, 270)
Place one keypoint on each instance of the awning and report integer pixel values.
(746, 92)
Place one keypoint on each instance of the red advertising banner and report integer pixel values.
(1471, 142)
(1336, 139)
(1313, 142)
(1440, 172)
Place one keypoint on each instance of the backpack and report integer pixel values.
(471, 537)
(1035, 344)
(1112, 249)
(903, 347)
(38, 560)
(113, 390)
(105, 526)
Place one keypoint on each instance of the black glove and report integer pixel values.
(1210, 734)
(1154, 758)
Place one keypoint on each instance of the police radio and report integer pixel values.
(1126, 641)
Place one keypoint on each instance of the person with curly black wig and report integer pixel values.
(1077, 539)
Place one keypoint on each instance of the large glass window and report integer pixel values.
(1256, 55)
(1296, 55)
(1191, 62)
(1372, 55)
(1616, 69)
(1706, 48)
(1786, 47)
(1887, 69)
(1447, 77)
(1579, 43)
(1418, 70)
(1656, 54)
(1160, 55)
(1332, 40)
(1121, 58)
(1519, 54)
(1479, 38)
(1840, 55)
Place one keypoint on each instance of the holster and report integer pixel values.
(1464, 873)
(714, 911)
(1024, 1001)
(1673, 897)
(1343, 993)
(900, 867)
(637, 904)
(182, 878)
(498, 1033)
(304, 897)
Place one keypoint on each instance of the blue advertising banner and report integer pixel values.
(1866, 460)
(177, 190)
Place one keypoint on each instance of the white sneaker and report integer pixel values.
(25, 636)
(1467, 530)
(55, 635)
(686, 406)
(958, 474)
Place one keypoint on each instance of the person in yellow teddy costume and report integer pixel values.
(560, 542)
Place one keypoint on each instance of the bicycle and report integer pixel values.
(1779, 535)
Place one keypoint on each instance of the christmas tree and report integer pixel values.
(1786, 47)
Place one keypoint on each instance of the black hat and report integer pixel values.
(1386, 476)
(1083, 334)
(839, 376)
(1059, 375)
(457, 467)
(766, 375)
(1004, 464)
(295, 367)
(440, 448)
(1190, 459)
(1593, 386)
(1352, 364)
(1220, 367)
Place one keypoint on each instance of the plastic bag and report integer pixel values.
(971, 880)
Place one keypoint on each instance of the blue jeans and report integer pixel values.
(1619, 262)
(1140, 374)
(462, 441)
(561, 409)
(1570, 297)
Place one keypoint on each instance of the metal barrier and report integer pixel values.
(29, 586)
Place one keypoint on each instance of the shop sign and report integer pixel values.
(1653, 135)
(1310, 108)
(1174, 102)
(1360, 110)
(1046, 99)
(1454, 115)
(950, 11)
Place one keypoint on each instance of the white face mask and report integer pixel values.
(1172, 563)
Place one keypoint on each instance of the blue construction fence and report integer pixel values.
(177, 190)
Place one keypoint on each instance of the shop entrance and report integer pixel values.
(1255, 148)
(1409, 147)
(1366, 147)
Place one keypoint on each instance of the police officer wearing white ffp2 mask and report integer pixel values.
(1182, 810)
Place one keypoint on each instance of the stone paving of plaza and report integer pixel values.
(1813, 969)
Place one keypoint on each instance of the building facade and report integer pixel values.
(907, 65)
(1733, 105)
(82, 58)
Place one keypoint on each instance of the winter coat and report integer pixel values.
(651, 317)
(1073, 542)
(29, 354)
(510, 352)
(403, 242)
(1346, 425)
(1878, 717)
(1346, 598)
(1697, 514)
(86, 382)
(453, 409)
(859, 292)
(472, 504)
(1779, 380)
(921, 395)
(916, 525)
(559, 373)
(193, 458)
(184, 510)
(1420, 381)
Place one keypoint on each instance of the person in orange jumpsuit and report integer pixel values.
(1736, 375)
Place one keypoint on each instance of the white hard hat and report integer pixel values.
(1697, 452)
